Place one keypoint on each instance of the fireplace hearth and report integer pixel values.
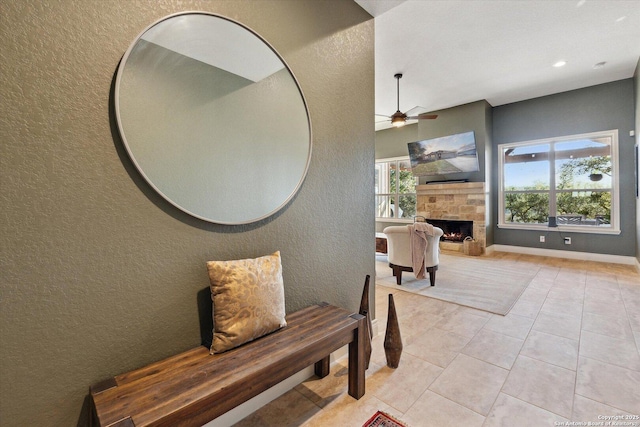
(454, 230)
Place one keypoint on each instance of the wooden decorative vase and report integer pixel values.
(364, 310)
(368, 348)
(392, 338)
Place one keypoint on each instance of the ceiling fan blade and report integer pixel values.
(415, 111)
(424, 117)
(382, 118)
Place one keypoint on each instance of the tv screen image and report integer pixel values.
(445, 155)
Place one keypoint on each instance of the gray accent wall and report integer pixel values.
(100, 275)
(597, 108)
(393, 142)
(489, 173)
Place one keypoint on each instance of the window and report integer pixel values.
(569, 182)
(395, 189)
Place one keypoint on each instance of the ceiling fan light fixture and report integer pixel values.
(398, 119)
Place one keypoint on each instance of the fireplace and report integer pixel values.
(454, 231)
(455, 202)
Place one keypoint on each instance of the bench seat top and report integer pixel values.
(195, 387)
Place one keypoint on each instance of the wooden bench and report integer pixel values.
(193, 388)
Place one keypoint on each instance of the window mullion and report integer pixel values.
(552, 180)
(396, 196)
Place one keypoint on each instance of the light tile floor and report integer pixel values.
(567, 351)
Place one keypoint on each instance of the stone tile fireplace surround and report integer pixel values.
(455, 201)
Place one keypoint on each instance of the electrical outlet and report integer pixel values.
(541, 239)
(567, 240)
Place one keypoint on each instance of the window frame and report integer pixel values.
(397, 194)
(553, 191)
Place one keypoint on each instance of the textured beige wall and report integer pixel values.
(98, 274)
(636, 85)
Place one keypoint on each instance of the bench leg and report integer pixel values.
(322, 367)
(357, 359)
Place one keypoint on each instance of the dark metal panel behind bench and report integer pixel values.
(194, 387)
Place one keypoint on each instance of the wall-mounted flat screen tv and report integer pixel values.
(444, 156)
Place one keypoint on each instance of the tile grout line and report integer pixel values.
(575, 381)
(624, 303)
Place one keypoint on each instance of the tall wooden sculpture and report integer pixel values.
(392, 338)
(365, 311)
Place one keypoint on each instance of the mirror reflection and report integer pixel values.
(213, 118)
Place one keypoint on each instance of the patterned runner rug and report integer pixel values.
(381, 419)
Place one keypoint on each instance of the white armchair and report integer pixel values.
(399, 251)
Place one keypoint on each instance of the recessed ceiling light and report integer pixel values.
(560, 64)
(599, 65)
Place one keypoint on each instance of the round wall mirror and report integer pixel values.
(213, 118)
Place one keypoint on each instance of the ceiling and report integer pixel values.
(453, 52)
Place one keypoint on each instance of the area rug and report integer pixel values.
(381, 419)
(485, 283)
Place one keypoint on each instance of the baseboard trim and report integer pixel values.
(375, 328)
(554, 253)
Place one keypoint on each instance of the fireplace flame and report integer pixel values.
(453, 237)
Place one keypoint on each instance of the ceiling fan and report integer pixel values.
(399, 118)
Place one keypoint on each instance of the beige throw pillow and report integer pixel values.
(248, 300)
